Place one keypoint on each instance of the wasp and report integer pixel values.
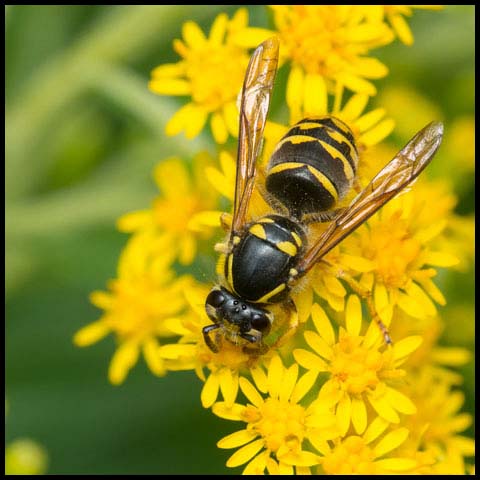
(310, 171)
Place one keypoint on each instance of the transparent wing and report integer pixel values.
(392, 179)
(256, 92)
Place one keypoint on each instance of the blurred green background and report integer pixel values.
(82, 136)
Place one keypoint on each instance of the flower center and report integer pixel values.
(133, 314)
(318, 38)
(354, 366)
(352, 455)
(392, 248)
(216, 75)
(175, 215)
(280, 423)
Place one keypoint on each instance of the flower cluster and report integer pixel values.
(330, 395)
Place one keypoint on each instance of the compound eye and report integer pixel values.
(260, 322)
(215, 298)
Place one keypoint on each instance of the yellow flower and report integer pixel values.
(211, 73)
(401, 242)
(437, 359)
(328, 46)
(369, 454)
(142, 305)
(170, 217)
(25, 457)
(360, 368)
(436, 426)
(278, 427)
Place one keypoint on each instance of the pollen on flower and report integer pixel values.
(355, 366)
(278, 422)
(328, 46)
(352, 455)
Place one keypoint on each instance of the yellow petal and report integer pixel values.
(440, 259)
(91, 333)
(390, 441)
(250, 392)
(245, 453)
(301, 458)
(275, 376)
(359, 415)
(260, 379)
(180, 118)
(237, 439)
(152, 358)
(197, 121)
(294, 93)
(187, 249)
(334, 286)
(378, 133)
(383, 408)
(322, 324)
(219, 128)
(451, 356)
(102, 299)
(396, 464)
(402, 29)
(405, 347)
(375, 429)
(193, 35)
(367, 121)
(207, 218)
(430, 287)
(231, 115)
(170, 86)
(288, 383)
(353, 315)
(309, 360)
(217, 180)
(218, 30)
(168, 70)
(318, 344)
(369, 67)
(124, 358)
(410, 306)
(303, 386)
(172, 178)
(382, 304)
(315, 95)
(356, 83)
(359, 264)
(354, 107)
(343, 413)
(423, 301)
(210, 390)
(134, 221)
(257, 465)
(228, 385)
(400, 402)
(234, 412)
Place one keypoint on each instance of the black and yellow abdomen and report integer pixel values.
(313, 166)
(260, 263)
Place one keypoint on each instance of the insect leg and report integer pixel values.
(213, 346)
(367, 296)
